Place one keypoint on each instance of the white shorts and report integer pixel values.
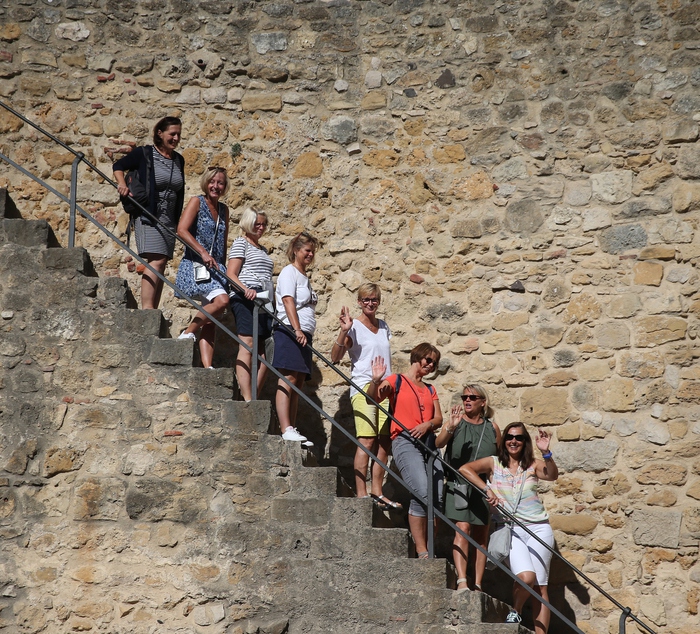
(211, 295)
(528, 555)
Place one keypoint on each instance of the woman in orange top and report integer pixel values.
(416, 405)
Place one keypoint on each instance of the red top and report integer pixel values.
(414, 406)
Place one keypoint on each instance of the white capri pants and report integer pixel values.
(528, 555)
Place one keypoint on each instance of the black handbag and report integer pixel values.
(139, 194)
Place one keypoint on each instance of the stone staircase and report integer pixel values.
(136, 495)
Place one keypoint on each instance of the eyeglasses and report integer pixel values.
(260, 224)
(429, 361)
(518, 437)
(471, 397)
(369, 300)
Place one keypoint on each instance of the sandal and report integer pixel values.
(382, 499)
(460, 581)
(423, 555)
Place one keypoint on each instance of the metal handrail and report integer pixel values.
(258, 304)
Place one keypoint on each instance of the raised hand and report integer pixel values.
(542, 440)
(378, 369)
(455, 416)
(345, 320)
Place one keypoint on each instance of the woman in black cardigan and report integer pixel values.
(161, 170)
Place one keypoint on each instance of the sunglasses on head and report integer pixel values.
(471, 397)
(518, 437)
(216, 168)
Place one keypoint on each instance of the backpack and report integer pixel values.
(139, 191)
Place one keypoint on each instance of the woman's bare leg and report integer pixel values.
(151, 284)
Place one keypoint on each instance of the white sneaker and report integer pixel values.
(513, 617)
(292, 434)
(188, 335)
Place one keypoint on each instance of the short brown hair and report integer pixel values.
(423, 350)
(527, 457)
(300, 240)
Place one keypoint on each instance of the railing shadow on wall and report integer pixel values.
(434, 455)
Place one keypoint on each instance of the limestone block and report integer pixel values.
(550, 336)
(341, 129)
(651, 178)
(10, 31)
(664, 498)
(99, 498)
(373, 79)
(217, 94)
(595, 218)
(450, 154)
(590, 455)
(624, 305)
(682, 131)
(382, 159)
(686, 197)
(613, 334)
(559, 378)
(509, 321)
(656, 528)
(654, 331)
(36, 59)
(61, 460)
(265, 42)
(663, 473)
(308, 165)
(154, 499)
(655, 432)
(688, 165)
(612, 187)
(512, 169)
(34, 85)
(618, 395)
(594, 370)
(75, 31)
(583, 308)
(523, 339)
(579, 524)
(374, 100)
(189, 95)
(657, 252)
(70, 91)
(620, 238)
(477, 186)
(564, 357)
(640, 365)
(578, 193)
(496, 342)
(555, 291)
(644, 206)
(235, 95)
(266, 102)
(544, 406)
(689, 391)
(693, 490)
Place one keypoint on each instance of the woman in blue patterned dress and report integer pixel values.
(204, 227)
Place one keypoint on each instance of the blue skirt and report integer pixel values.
(289, 355)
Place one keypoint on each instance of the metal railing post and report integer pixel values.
(73, 198)
(431, 507)
(254, 359)
(623, 617)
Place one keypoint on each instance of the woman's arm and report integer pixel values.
(429, 425)
(342, 341)
(188, 218)
(233, 270)
(378, 389)
(472, 470)
(545, 469)
(130, 161)
(225, 221)
(291, 310)
(448, 429)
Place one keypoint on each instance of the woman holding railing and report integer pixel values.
(470, 434)
(416, 406)
(514, 474)
(295, 303)
(161, 171)
(365, 338)
(204, 228)
(250, 266)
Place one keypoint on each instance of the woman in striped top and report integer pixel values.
(514, 474)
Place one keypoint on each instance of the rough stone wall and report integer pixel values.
(522, 179)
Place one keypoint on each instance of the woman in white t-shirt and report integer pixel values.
(250, 267)
(364, 339)
(295, 304)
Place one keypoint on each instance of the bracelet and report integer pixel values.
(340, 345)
(547, 456)
(449, 431)
(377, 382)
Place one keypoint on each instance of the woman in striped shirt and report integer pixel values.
(514, 474)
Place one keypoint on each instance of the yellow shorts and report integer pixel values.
(370, 421)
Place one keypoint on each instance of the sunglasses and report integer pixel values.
(369, 300)
(471, 397)
(429, 361)
(518, 437)
(216, 168)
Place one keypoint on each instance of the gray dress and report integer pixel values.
(461, 449)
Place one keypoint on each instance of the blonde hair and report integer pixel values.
(300, 240)
(248, 218)
(478, 389)
(367, 289)
(209, 173)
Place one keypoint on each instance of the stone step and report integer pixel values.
(27, 233)
(125, 325)
(8, 209)
(76, 259)
(315, 481)
(170, 352)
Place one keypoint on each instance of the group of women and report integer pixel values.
(203, 271)
(496, 469)
(489, 469)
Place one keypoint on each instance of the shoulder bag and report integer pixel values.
(500, 540)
